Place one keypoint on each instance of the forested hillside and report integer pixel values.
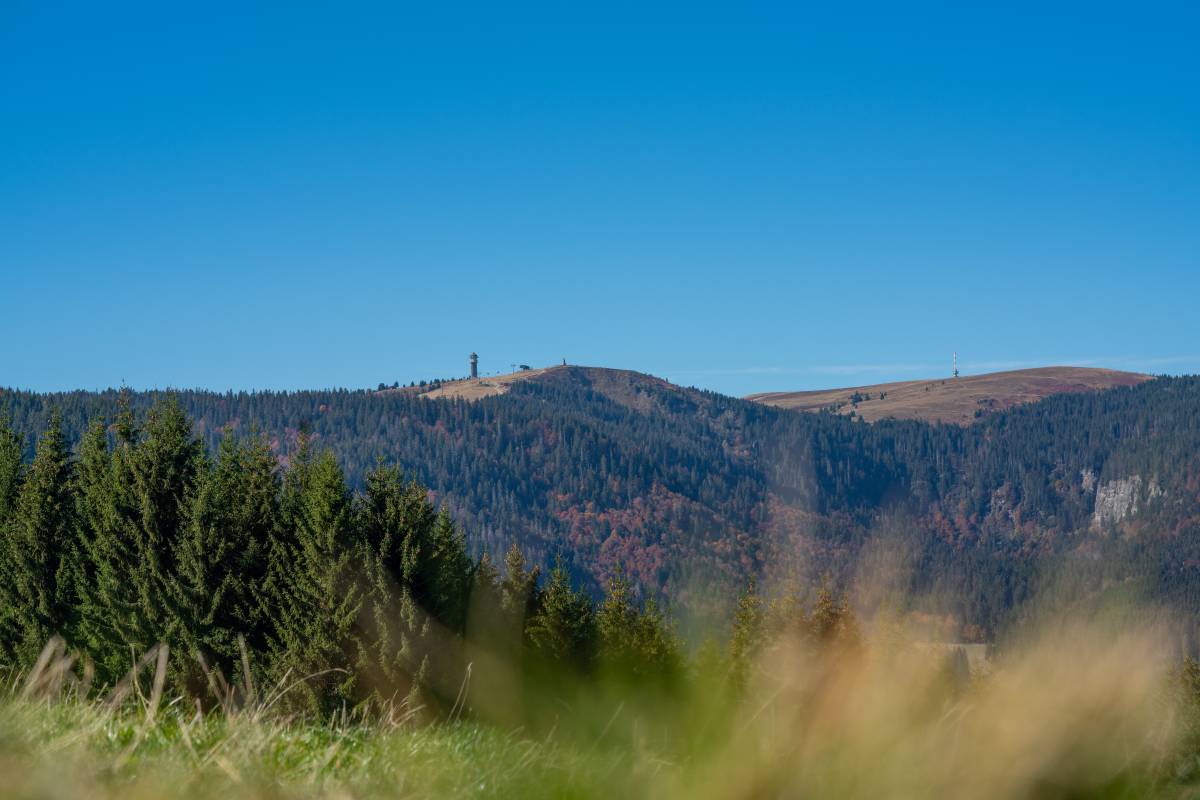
(682, 489)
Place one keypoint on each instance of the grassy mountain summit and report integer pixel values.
(960, 400)
(615, 382)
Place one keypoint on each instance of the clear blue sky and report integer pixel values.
(742, 199)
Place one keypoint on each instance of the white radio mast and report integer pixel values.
(955, 362)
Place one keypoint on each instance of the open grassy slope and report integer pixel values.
(620, 385)
(936, 400)
(474, 388)
(952, 399)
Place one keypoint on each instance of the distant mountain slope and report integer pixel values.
(692, 493)
(959, 400)
(471, 388)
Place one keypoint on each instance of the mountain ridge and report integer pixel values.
(960, 400)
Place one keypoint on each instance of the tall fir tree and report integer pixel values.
(11, 469)
(616, 625)
(222, 553)
(448, 594)
(41, 550)
(100, 577)
(396, 522)
(518, 592)
(316, 585)
(134, 501)
(420, 590)
(485, 615)
(636, 645)
(495, 687)
(747, 639)
(563, 630)
(157, 481)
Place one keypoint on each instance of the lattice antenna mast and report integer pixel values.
(955, 362)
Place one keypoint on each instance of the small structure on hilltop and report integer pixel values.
(474, 365)
(955, 364)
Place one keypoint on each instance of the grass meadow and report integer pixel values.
(1082, 710)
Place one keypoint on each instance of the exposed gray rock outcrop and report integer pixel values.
(1119, 499)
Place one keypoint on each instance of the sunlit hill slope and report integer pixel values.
(960, 400)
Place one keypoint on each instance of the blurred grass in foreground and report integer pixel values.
(74, 750)
(1085, 710)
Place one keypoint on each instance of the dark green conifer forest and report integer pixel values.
(251, 578)
(593, 475)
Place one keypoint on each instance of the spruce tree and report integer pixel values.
(157, 480)
(636, 645)
(41, 551)
(495, 688)
(563, 630)
(396, 523)
(448, 593)
(222, 553)
(316, 585)
(748, 637)
(485, 617)
(135, 503)
(518, 591)
(496, 636)
(616, 624)
(99, 586)
(420, 579)
(11, 468)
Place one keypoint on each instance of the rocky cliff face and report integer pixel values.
(1119, 499)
